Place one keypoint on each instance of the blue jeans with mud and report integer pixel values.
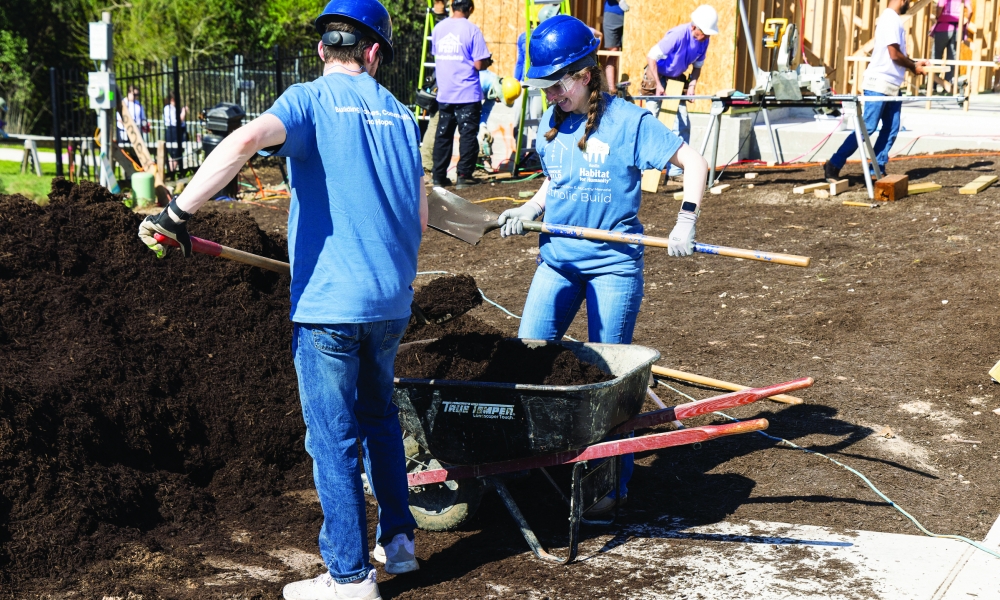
(613, 303)
(345, 384)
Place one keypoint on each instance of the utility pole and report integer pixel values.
(101, 89)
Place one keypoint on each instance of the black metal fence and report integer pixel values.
(252, 81)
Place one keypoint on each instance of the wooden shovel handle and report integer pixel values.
(717, 383)
(212, 249)
(618, 237)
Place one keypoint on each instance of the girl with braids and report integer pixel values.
(593, 156)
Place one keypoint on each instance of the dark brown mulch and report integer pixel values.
(451, 295)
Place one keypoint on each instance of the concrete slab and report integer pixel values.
(779, 560)
(943, 127)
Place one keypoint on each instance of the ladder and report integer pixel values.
(425, 63)
(531, 8)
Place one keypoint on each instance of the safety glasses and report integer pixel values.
(561, 87)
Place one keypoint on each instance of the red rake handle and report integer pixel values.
(644, 443)
(210, 248)
(701, 407)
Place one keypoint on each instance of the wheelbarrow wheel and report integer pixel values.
(439, 506)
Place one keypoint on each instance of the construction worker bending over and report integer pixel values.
(682, 47)
(883, 77)
(460, 52)
(593, 154)
(357, 213)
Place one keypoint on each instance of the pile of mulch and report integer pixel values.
(141, 400)
(487, 356)
(448, 296)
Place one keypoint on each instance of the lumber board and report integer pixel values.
(839, 187)
(718, 189)
(923, 188)
(668, 108)
(135, 138)
(805, 189)
(652, 179)
(891, 188)
(978, 184)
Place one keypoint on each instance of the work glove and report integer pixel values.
(485, 140)
(172, 223)
(623, 5)
(510, 220)
(681, 239)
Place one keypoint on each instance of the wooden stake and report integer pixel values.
(717, 383)
(923, 188)
(978, 184)
(863, 204)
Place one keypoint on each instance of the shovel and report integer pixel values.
(455, 216)
(212, 249)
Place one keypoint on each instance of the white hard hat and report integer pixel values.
(706, 19)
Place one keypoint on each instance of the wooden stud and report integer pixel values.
(891, 188)
(668, 108)
(978, 184)
(718, 189)
(839, 187)
(923, 188)
(805, 189)
(652, 180)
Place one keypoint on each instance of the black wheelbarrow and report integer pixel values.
(462, 437)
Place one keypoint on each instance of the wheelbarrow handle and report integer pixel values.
(644, 443)
(701, 407)
(619, 237)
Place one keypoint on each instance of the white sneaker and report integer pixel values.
(325, 588)
(397, 556)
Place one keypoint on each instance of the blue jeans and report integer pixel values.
(345, 384)
(886, 112)
(612, 308)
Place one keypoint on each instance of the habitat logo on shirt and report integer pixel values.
(596, 153)
(449, 48)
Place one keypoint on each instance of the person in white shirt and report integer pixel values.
(174, 125)
(883, 77)
(138, 115)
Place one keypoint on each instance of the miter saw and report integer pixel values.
(787, 79)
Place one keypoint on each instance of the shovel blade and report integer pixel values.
(455, 216)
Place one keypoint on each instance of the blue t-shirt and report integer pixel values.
(354, 222)
(611, 6)
(600, 188)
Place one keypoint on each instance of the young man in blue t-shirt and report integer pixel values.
(358, 210)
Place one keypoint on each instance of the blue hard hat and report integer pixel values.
(560, 43)
(369, 15)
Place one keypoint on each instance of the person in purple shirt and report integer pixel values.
(460, 53)
(682, 47)
(945, 32)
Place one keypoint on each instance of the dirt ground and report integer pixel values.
(894, 319)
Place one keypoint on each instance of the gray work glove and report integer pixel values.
(623, 5)
(171, 222)
(682, 235)
(510, 220)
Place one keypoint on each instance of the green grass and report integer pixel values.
(17, 145)
(30, 185)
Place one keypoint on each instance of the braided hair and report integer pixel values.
(595, 108)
